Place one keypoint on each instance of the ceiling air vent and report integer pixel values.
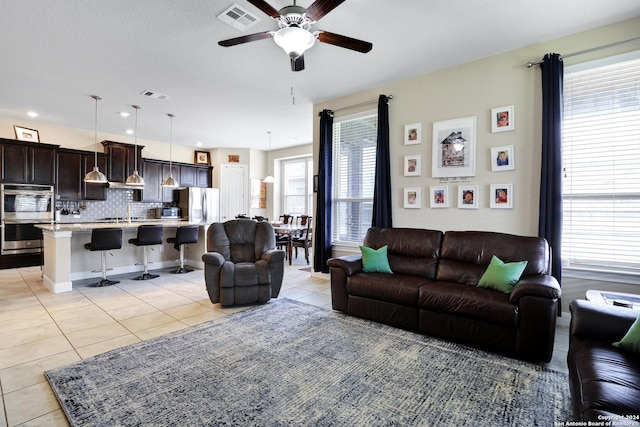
(156, 95)
(238, 17)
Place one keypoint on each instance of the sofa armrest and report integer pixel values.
(275, 259)
(600, 322)
(541, 285)
(213, 258)
(351, 264)
(273, 255)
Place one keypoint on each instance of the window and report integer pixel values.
(354, 161)
(601, 160)
(297, 186)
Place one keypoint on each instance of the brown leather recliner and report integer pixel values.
(241, 265)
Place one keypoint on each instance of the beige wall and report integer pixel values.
(473, 89)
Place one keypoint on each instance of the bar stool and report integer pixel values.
(147, 235)
(185, 234)
(103, 240)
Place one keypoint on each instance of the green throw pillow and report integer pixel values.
(631, 340)
(375, 260)
(502, 276)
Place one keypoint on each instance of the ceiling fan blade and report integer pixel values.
(319, 8)
(298, 63)
(344, 41)
(265, 7)
(245, 39)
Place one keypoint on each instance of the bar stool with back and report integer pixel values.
(147, 235)
(103, 240)
(185, 234)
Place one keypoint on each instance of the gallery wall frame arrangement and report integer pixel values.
(413, 134)
(454, 148)
(468, 196)
(412, 198)
(439, 197)
(412, 165)
(26, 134)
(503, 119)
(503, 158)
(501, 196)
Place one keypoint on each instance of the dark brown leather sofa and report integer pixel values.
(604, 380)
(433, 289)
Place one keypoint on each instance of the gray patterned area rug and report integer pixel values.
(291, 364)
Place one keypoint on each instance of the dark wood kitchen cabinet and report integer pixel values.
(72, 166)
(92, 190)
(187, 176)
(203, 176)
(121, 160)
(27, 162)
(154, 172)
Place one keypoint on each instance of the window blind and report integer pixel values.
(354, 162)
(601, 161)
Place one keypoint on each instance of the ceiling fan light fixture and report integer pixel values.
(294, 40)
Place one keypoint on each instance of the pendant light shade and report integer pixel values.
(95, 176)
(134, 179)
(269, 178)
(170, 181)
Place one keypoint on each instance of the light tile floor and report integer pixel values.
(40, 330)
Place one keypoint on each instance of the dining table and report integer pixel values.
(291, 231)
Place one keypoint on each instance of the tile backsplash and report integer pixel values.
(114, 207)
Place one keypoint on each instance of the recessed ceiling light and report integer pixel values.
(32, 114)
(124, 114)
(199, 144)
(129, 132)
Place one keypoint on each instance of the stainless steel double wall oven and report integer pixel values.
(22, 206)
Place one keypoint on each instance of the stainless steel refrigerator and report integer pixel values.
(200, 204)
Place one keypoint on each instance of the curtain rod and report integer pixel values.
(373, 101)
(593, 49)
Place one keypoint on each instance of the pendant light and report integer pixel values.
(170, 181)
(95, 175)
(134, 179)
(269, 178)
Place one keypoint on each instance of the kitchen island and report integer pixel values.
(66, 259)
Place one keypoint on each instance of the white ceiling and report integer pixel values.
(56, 53)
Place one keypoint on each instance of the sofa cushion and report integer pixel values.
(468, 301)
(466, 254)
(398, 289)
(375, 260)
(502, 276)
(411, 251)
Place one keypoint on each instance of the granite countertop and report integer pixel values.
(88, 226)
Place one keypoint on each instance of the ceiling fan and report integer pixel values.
(294, 35)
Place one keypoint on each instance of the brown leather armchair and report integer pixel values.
(241, 265)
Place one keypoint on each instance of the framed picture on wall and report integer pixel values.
(413, 134)
(412, 165)
(412, 198)
(502, 119)
(202, 158)
(454, 148)
(468, 197)
(501, 196)
(503, 158)
(439, 197)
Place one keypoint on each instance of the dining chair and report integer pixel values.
(305, 239)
